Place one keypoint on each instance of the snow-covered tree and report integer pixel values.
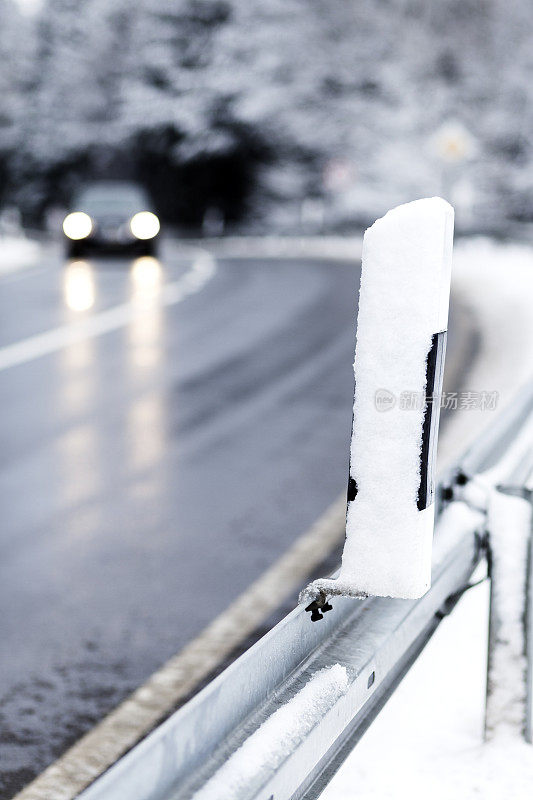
(83, 47)
(348, 103)
(15, 62)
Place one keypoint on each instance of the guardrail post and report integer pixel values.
(510, 651)
(529, 641)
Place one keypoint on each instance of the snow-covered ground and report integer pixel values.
(428, 741)
(17, 252)
(495, 280)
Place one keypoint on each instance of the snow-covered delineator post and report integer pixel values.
(399, 362)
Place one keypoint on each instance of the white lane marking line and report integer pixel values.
(138, 714)
(202, 270)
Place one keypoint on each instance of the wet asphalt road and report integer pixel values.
(149, 474)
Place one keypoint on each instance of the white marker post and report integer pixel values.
(399, 362)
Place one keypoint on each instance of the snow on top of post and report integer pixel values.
(411, 248)
(403, 303)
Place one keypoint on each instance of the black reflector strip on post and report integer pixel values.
(430, 429)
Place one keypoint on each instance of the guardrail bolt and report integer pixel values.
(318, 608)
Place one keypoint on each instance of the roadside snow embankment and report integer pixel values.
(495, 281)
(17, 253)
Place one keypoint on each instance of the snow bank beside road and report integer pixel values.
(17, 253)
(495, 280)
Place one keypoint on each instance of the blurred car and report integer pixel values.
(112, 216)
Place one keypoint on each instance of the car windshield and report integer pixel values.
(111, 199)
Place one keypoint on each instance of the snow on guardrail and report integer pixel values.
(263, 752)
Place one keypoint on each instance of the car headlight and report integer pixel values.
(77, 225)
(144, 225)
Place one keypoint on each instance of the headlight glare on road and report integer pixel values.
(78, 286)
(77, 225)
(144, 225)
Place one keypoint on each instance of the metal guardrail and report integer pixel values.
(492, 445)
(375, 640)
